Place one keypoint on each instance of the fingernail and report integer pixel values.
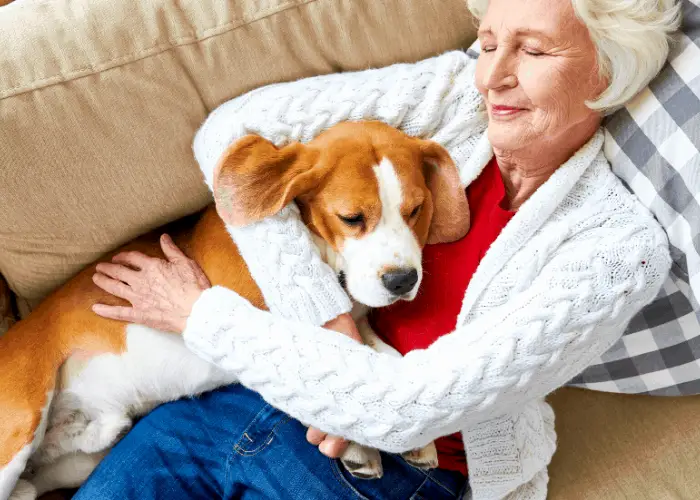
(324, 448)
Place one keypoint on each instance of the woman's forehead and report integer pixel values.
(544, 19)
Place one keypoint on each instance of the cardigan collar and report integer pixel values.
(531, 215)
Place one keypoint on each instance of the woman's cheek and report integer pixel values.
(547, 88)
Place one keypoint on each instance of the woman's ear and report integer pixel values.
(451, 217)
(255, 179)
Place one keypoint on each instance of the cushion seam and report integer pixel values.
(124, 60)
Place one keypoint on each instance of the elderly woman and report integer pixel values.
(560, 256)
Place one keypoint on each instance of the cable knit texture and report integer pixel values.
(554, 291)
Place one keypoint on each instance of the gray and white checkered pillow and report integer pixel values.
(653, 145)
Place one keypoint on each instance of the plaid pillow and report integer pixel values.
(653, 145)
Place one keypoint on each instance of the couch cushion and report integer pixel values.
(618, 447)
(99, 102)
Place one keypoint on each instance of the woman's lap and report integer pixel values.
(231, 444)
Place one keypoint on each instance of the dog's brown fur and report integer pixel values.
(254, 179)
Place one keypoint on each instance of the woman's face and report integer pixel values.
(536, 70)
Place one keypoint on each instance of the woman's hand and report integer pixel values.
(334, 446)
(161, 292)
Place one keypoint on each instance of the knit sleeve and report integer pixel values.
(433, 98)
(574, 310)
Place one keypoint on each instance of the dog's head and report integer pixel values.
(372, 193)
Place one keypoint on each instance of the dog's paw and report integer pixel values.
(362, 462)
(60, 438)
(104, 433)
(422, 458)
(24, 490)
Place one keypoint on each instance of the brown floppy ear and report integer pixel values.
(451, 217)
(255, 179)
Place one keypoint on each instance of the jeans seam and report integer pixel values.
(250, 453)
(341, 479)
(417, 494)
(429, 475)
(252, 421)
(227, 471)
(448, 490)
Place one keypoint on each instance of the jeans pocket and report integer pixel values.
(346, 479)
(260, 432)
(400, 481)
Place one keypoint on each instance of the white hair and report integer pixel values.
(631, 38)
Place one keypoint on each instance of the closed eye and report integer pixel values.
(415, 211)
(354, 220)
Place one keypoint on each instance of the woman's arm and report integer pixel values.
(433, 98)
(575, 309)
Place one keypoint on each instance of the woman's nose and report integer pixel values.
(499, 72)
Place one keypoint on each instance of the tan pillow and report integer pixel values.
(619, 447)
(100, 101)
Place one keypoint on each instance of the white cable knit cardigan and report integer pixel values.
(554, 291)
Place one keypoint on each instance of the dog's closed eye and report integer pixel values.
(355, 220)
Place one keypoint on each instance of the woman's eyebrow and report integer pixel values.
(521, 32)
(534, 33)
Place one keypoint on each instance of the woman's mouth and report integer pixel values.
(501, 110)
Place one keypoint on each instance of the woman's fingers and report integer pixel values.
(116, 312)
(116, 271)
(345, 325)
(333, 446)
(134, 315)
(170, 249)
(315, 436)
(137, 260)
(115, 287)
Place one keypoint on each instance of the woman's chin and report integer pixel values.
(507, 137)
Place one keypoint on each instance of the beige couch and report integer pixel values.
(99, 101)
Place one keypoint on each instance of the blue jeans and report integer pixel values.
(231, 444)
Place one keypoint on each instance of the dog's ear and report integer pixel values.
(451, 218)
(255, 179)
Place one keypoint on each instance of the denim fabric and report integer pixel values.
(231, 444)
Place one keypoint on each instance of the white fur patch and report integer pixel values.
(97, 403)
(157, 367)
(391, 245)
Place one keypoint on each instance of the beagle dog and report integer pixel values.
(72, 381)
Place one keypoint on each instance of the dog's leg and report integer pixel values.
(362, 462)
(423, 458)
(61, 438)
(69, 471)
(72, 431)
(370, 338)
(24, 490)
(103, 433)
(12, 483)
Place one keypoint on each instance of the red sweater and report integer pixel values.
(447, 270)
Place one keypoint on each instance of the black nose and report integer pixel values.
(400, 281)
